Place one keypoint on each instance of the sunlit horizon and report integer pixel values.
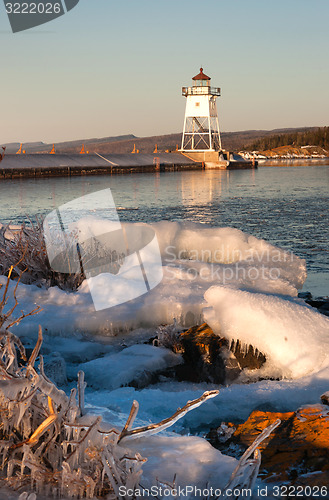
(107, 69)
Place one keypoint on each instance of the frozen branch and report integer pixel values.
(167, 422)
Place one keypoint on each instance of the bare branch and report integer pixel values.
(4, 296)
(10, 312)
(262, 436)
(17, 341)
(132, 416)
(23, 316)
(245, 473)
(93, 426)
(42, 370)
(36, 349)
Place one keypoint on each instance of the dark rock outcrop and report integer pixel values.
(211, 358)
(319, 303)
(206, 357)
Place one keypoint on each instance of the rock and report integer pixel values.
(325, 398)
(205, 355)
(144, 379)
(231, 364)
(210, 358)
(320, 303)
(324, 309)
(221, 435)
(248, 358)
(305, 295)
(299, 446)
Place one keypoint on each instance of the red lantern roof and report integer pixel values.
(201, 76)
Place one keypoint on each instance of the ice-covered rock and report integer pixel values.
(136, 364)
(293, 336)
(207, 357)
(195, 257)
(320, 303)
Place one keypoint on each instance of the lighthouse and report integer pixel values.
(201, 127)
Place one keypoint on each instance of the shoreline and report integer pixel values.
(278, 162)
(66, 165)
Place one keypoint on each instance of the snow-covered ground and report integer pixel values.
(244, 288)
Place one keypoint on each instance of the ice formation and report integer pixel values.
(195, 257)
(51, 446)
(293, 336)
(131, 364)
(290, 333)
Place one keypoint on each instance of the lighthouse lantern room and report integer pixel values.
(201, 126)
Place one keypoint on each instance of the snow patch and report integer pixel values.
(192, 459)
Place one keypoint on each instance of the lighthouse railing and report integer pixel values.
(200, 91)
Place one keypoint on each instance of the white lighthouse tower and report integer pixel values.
(201, 126)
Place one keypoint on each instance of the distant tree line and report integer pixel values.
(315, 137)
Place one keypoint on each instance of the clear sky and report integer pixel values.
(117, 67)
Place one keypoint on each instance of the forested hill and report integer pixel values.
(315, 137)
(232, 141)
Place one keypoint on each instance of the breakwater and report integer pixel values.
(48, 165)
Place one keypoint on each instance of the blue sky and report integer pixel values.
(109, 68)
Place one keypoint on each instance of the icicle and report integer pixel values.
(72, 408)
(81, 391)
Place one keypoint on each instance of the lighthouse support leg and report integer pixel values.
(210, 132)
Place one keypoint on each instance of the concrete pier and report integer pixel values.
(48, 165)
(223, 160)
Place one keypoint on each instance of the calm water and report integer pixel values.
(287, 206)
